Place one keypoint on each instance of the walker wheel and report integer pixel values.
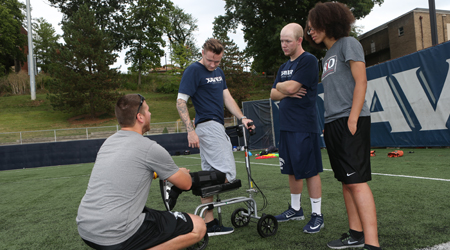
(201, 244)
(267, 225)
(240, 217)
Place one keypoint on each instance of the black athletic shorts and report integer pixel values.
(349, 154)
(158, 227)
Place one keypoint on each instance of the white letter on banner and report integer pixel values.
(391, 112)
(321, 96)
(277, 103)
(429, 118)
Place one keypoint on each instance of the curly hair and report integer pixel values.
(333, 18)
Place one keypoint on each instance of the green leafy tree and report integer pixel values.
(45, 40)
(183, 55)
(147, 22)
(262, 22)
(181, 37)
(110, 15)
(86, 84)
(11, 40)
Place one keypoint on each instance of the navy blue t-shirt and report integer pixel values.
(300, 115)
(206, 91)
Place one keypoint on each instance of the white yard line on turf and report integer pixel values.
(444, 246)
(413, 177)
(392, 175)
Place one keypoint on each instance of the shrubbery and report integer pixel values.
(19, 83)
(15, 83)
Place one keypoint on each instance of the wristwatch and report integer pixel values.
(243, 118)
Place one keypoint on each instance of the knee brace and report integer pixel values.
(207, 178)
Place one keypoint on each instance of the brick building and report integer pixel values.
(19, 65)
(404, 35)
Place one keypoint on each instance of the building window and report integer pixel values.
(372, 47)
(400, 31)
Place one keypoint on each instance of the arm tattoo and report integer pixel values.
(184, 114)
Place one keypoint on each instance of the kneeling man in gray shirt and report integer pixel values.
(112, 213)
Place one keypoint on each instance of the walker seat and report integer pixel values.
(216, 189)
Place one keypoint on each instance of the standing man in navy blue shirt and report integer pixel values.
(204, 82)
(300, 158)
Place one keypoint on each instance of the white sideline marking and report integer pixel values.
(392, 175)
(413, 177)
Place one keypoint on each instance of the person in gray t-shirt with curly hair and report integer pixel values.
(347, 119)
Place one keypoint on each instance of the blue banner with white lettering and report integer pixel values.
(409, 99)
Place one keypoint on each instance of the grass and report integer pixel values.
(38, 206)
(20, 113)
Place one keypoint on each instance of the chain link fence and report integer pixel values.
(57, 135)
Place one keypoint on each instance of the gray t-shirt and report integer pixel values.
(337, 78)
(111, 210)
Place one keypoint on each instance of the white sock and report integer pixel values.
(316, 205)
(296, 201)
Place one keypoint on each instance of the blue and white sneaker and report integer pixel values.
(217, 229)
(314, 225)
(290, 214)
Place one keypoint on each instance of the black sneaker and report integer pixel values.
(217, 229)
(172, 193)
(173, 196)
(346, 241)
(368, 247)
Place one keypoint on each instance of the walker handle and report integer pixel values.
(250, 130)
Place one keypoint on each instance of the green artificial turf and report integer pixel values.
(38, 206)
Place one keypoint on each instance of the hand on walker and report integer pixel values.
(246, 121)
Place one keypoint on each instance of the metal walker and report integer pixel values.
(267, 224)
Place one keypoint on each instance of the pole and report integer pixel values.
(30, 55)
(433, 23)
(443, 27)
(165, 61)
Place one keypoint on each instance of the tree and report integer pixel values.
(147, 22)
(45, 40)
(183, 55)
(109, 15)
(86, 84)
(11, 40)
(262, 22)
(181, 37)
